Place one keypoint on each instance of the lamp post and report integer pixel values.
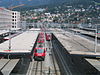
(96, 39)
(9, 39)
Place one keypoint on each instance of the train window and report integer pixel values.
(12, 26)
(40, 45)
(40, 51)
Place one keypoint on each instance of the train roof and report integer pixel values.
(22, 43)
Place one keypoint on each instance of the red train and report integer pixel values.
(41, 34)
(39, 54)
(40, 50)
(48, 36)
(40, 40)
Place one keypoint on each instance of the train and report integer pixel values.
(39, 54)
(41, 38)
(48, 36)
(41, 35)
(40, 49)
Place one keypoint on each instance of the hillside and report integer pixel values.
(40, 3)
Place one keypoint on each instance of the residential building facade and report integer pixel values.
(15, 20)
(5, 18)
(9, 19)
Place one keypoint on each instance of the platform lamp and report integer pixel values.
(96, 31)
(9, 40)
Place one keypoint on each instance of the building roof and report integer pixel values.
(21, 43)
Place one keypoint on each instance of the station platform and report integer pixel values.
(7, 65)
(86, 32)
(77, 45)
(95, 63)
(21, 44)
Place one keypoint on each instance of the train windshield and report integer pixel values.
(40, 51)
(40, 45)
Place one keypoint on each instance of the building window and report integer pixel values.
(12, 26)
(13, 13)
(12, 23)
(12, 16)
(12, 19)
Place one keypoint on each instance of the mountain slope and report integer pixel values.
(9, 3)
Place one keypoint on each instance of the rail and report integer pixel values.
(35, 68)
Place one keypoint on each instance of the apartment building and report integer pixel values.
(5, 18)
(9, 19)
(15, 20)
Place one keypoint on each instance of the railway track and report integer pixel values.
(37, 70)
(46, 67)
(55, 66)
(56, 69)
